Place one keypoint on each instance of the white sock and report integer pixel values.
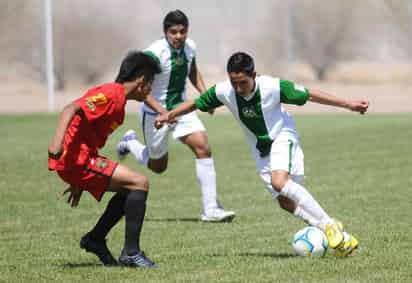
(206, 174)
(307, 203)
(308, 218)
(139, 151)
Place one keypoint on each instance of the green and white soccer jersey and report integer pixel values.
(268, 128)
(261, 117)
(169, 87)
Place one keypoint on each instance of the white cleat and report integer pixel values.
(122, 147)
(218, 215)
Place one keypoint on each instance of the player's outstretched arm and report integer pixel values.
(321, 97)
(170, 117)
(56, 144)
(154, 104)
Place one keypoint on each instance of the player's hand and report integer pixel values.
(163, 119)
(55, 150)
(74, 196)
(360, 106)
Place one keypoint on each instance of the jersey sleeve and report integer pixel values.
(208, 100)
(291, 93)
(95, 106)
(152, 54)
(154, 51)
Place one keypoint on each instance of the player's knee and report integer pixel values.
(279, 180)
(203, 151)
(141, 183)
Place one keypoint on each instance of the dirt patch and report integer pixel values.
(31, 97)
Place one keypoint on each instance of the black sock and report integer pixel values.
(135, 208)
(113, 213)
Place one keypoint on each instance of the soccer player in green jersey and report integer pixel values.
(256, 103)
(176, 55)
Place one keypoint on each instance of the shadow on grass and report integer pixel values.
(83, 265)
(257, 254)
(172, 219)
(274, 255)
(185, 220)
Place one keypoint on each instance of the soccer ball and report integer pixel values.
(310, 241)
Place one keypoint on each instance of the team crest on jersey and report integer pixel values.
(249, 112)
(101, 163)
(180, 61)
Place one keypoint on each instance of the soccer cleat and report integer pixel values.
(350, 243)
(122, 147)
(218, 215)
(334, 233)
(137, 260)
(99, 248)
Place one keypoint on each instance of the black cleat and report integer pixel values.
(99, 248)
(137, 260)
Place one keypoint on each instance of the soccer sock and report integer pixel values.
(206, 174)
(306, 202)
(139, 151)
(135, 208)
(308, 218)
(112, 214)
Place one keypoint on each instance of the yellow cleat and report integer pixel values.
(334, 233)
(340, 225)
(350, 243)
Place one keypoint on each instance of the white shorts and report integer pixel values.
(285, 154)
(156, 140)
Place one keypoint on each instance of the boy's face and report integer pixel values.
(242, 83)
(143, 87)
(176, 36)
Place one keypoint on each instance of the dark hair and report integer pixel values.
(241, 62)
(135, 64)
(176, 17)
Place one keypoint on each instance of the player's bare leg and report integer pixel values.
(205, 170)
(158, 165)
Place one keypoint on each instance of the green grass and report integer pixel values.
(359, 168)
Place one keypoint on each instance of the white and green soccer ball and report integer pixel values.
(310, 241)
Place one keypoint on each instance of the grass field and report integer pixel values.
(359, 168)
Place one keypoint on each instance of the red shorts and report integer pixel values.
(94, 177)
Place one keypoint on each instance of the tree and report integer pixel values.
(401, 18)
(320, 32)
(88, 40)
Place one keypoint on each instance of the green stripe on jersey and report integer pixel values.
(251, 114)
(291, 93)
(290, 156)
(177, 80)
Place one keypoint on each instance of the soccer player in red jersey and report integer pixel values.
(83, 128)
